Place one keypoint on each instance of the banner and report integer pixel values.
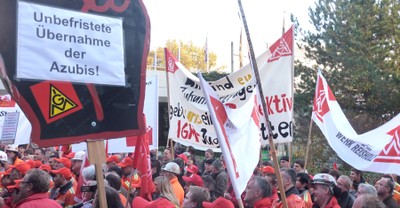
(376, 151)
(190, 121)
(237, 131)
(150, 110)
(70, 69)
(22, 133)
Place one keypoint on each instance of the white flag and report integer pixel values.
(377, 150)
(238, 134)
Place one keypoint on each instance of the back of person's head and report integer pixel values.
(291, 174)
(114, 180)
(165, 188)
(208, 182)
(180, 163)
(116, 169)
(335, 173)
(347, 181)
(113, 198)
(365, 188)
(89, 173)
(156, 164)
(210, 151)
(324, 170)
(266, 163)
(39, 179)
(368, 201)
(199, 195)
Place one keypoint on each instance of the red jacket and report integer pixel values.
(38, 200)
(333, 203)
(263, 203)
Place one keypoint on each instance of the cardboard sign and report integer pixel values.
(73, 109)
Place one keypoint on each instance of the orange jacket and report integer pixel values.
(178, 190)
(125, 181)
(65, 195)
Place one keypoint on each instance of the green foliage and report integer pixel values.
(191, 56)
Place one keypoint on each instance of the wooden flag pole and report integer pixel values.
(254, 65)
(308, 145)
(97, 157)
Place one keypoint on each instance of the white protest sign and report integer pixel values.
(9, 128)
(64, 45)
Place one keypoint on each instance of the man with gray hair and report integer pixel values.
(368, 201)
(365, 188)
(345, 199)
(221, 178)
(258, 193)
(34, 189)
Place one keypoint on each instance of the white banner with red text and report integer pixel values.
(190, 121)
(377, 150)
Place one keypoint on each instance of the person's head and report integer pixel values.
(112, 160)
(355, 175)
(217, 166)
(335, 173)
(155, 167)
(3, 160)
(77, 161)
(19, 170)
(39, 154)
(35, 181)
(114, 181)
(302, 181)
(192, 180)
(89, 173)
(267, 170)
(52, 159)
(170, 170)
(167, 155)
(195, 197)
(344, 183)
(191, 150)
(323, 188)
(384, 187)
(368, 201)
(209, 154)
(207, 164)
(284, 162)
(163, 187)
(12, 152)
(257, 188)
(61, 176)
(208, 182)
(365, 188)
(22, 148)
(298, 165)
(113, 198)
(126, 166)
(190, 160)
(288, 178)
(62, 163)
(115, 169)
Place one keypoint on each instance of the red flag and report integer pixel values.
(335, 166)
(66, 149)
(107, 148)
(142, 163)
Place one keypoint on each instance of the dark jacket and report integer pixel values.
(346, 200)
(221, 183)
(390, 202)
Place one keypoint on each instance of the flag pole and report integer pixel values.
(169, 109)
(308, 144)
(254, 65)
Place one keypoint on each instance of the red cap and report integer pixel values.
(140, 202)
(70, 155)
(16, 185)
(192, 169)
(45, 167)
(31, 163)
(23, 167)
(65, 172)
(268, 169)
(113, 158)
(65, 161)
(220, 202)
(127, 161)
(38, 163)
(183, 157)
(194, 178)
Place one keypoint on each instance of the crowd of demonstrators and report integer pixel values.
(50, 178)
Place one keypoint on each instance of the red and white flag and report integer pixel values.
(376, 151)
(238, 135)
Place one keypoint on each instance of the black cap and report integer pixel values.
(285, 158)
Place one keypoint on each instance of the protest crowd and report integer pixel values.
(52, 177)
